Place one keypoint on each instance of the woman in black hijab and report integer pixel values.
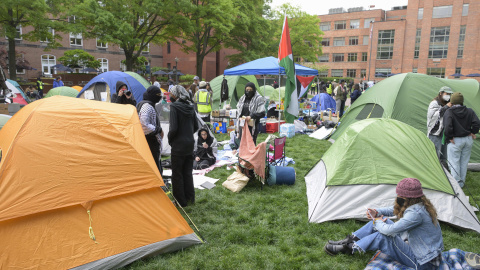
(204, 157)
(251, 106)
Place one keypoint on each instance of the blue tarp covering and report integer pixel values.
(327, 102)
(112, 77)
(267, 66)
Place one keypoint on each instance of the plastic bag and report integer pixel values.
(299, 125)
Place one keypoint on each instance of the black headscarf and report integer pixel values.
(202, 152)
(254, 88)
(153, 94)
(119, 85)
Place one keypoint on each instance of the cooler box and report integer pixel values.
(220, 127)
(272, 126)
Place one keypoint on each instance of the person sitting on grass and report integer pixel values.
(204, 157)
(417, 220)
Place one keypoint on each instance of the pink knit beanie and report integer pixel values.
(409, 188)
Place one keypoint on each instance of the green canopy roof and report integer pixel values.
(139, 78)
(62, 91)
(384, 151)
(236, 89)
(405, 97)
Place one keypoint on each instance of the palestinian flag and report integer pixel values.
(285, 59)
(303, 85)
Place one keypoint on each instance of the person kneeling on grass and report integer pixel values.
(204, 157)
(417, 221)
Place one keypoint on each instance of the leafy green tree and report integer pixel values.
(139, 64)
(132, 25)
(206, 25)
(252, 31)
(79, 59)
(305, 33)
(35, 13)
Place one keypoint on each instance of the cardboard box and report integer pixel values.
(312, 127)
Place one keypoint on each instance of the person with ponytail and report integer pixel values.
(416, 222)
(436, 110)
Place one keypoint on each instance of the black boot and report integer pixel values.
(333, 250)
(349, 239)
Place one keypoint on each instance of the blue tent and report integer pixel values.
(267, 66)
(112, 77)
(326, 101)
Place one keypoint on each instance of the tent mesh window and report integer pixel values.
(370, 110)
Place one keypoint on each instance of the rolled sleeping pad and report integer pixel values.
(279, 175)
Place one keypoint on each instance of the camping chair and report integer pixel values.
(278, 149)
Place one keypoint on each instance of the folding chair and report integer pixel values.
(278, 155)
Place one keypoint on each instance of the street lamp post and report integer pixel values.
(176, 70)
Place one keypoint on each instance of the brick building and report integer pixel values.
(435, 37)
(111, 56)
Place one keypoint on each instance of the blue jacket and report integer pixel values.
(57, 83)
(424, 237)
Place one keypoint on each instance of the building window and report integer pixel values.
(169, 48)
(103, 64)
(102, 45)
(442, 12)
(436, 72)
(420, 14)
(385, 44)
(416, 53)
(338, 57)
(337, 72)
(365, 40)
(366, 22)
(52, 34)
(364, 57)
(465, 10)
(72, 19)
(324, 58)
(323, 74)
(352, 57)
(123, 67)
(326, 42)
(458, 70)
(338, 41)
(340, 25)
(76, 39)
(169, 66)
(353, 41)
(383, 71)
(414, 70)
(461, 41)
(146, 49)
(354, 24)
(325, 26)
(18, 33)
(363, 73)
(48, 61)
(352, 73)
(439, 37)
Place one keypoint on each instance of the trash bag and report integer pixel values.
(329, 124)
(224, 90)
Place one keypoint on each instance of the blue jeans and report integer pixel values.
(394, 247)
(458, 157)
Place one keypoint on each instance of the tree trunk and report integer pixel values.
(129, 60)
(12, 59)
(199, 64)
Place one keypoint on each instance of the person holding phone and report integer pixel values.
(124, 95)
(203, 153)
(417, 222)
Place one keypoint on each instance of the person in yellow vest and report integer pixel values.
(203, 102)
(329, 88)
(39, 88)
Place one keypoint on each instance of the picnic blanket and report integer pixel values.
(452, 259)
(255, 155)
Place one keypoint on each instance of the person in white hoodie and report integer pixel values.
(436, 110)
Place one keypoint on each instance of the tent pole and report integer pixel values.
(279, 99)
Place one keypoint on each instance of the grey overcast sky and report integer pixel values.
(320, 7)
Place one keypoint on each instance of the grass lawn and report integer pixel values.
(268, 229)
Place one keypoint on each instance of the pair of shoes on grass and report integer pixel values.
(473, 260)
(344, 246)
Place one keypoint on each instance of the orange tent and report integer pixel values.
(77, 87)
(79, 188)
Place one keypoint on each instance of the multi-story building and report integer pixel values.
(111, 56)
(436, 37)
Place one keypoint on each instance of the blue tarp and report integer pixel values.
(267, 66)
(327, 102)
(112, 77)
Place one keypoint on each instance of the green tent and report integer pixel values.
(139, 78)
(3, 119)
(364, 165)
(62, 91)
(405, 97)
(236, 89)
(266, 90)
